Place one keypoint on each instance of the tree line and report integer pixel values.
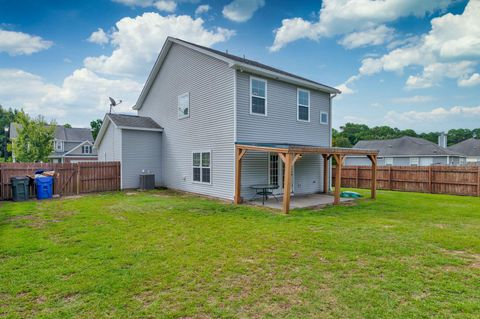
(350, 133)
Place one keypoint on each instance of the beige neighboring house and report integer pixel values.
(70, 145)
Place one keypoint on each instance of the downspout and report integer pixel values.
(234, 125)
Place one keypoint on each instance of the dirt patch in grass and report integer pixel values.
(472, 258)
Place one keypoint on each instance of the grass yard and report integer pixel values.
(166, 255)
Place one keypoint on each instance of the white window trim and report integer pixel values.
(328, 118)
(414, 161)
(178, 104)
(211, 167)
(89, 147)
(58, 142)
(389, 162)
(266, 95)
(298, 104)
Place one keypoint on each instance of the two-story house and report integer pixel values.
(70, 144)
(198, 104)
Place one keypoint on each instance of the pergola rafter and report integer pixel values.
(291, 153)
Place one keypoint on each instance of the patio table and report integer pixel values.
(264, 190)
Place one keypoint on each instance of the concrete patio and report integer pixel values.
(299, 201)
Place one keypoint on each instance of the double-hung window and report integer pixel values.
(86, 149)
(258, 96)
(58, 145)
(202, 167)
(303, 105)
(184, 105)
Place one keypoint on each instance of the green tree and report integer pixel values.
(457, 135)
(34, 141)
(96, 125)
(67, 125)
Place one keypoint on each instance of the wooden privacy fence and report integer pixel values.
(455, 180)
(69, 179)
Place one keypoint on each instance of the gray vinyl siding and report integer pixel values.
(281, 126)
(78, 151)
(110, 148)
(210, 126)
(141, 151)
(400, 161)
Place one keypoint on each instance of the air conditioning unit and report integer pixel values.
(147, 181)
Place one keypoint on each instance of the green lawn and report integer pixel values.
(166, 255)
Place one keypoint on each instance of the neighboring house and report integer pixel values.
(198, 103)
(470, 148)
(407, 151)
(70, 144)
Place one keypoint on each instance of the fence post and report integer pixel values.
(430, 177)
(356, 176)
(78, 178)
(389, 177)
(478, 181)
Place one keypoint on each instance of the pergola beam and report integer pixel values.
(338, 178)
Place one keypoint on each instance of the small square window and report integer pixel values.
(184, 105)
(323, 118)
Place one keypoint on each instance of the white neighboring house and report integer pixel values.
(71, 144)
(198, 104)
(407, 151)
(470, 148)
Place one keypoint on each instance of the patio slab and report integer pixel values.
(300, 201)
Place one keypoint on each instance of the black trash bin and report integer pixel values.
(20, 190)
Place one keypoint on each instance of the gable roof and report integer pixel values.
(126, 121)
(67, 134)
(234, 62)
(470, 147)
(405, 146)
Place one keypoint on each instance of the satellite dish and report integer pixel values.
(113, 103)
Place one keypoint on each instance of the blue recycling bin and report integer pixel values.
(44, 185)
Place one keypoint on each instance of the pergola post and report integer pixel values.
(287, 184)
(373, 185)
(239, 153)
(326, 174)
(338, 178)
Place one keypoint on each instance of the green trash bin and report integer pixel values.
(20, 190)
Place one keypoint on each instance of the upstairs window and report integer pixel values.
(303, 105)
(184, 105)
(323, 118)
(86, 149)
(58, 146)
(258, 96)
(202, 167)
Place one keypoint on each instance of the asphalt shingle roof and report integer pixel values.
(73, 134)
(133, 121)
(405, 146)
(470, 147)
(254, 63)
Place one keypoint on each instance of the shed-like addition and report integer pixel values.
(134, 141)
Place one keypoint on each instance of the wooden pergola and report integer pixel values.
(291, 153)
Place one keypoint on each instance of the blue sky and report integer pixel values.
(404, 63)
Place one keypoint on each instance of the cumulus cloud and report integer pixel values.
(137, 42)
(18, 43)
(437, 114)
(201, 9)
(98, 37)
(373, 36)
(167, 6)
(242, 10)
(473, 80)
(344, 16)
(433, 52)
(82, 95)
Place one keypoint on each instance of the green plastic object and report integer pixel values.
(20, 191)
(348, 194)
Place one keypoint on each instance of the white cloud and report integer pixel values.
(373, 36)
(344, 87)
(137, 42)
(201, 9)
(433, 52)
(242, 10)
(18, 43)
(435, 115)
(98, 37)
(345, 16)
(413, 99)
(83, 95)
(167, 6)
(471, 81)
(435, 72)
(136, 3)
